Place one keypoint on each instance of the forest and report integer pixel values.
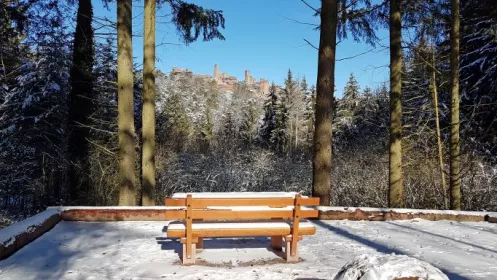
(81, 123)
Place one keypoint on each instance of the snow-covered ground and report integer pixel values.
(139, 250)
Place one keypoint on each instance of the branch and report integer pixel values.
(310, 44)
(300, 22)
(357, 55)
(307, 4)
(101, 147)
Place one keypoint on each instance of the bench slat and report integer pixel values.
(206, 202)
(235, 230)
(266, 201)
(233, 214)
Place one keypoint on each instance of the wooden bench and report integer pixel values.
(281, 218)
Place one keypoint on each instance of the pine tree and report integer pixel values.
(396, 188)
(33, 114)
(148, 112)
(279, 136)
(310, 115)
(321, 162)
(81, 102)
(455, 142)
(351, 94)
(367, 92)
(269, 121)
(248, 131)
(478, 86)
(176, 125)
(304, 87)
(127, 187)
(207, 130)
(191, 21)
(228, 133)
(294, 105)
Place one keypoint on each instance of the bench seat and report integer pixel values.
(238, 229)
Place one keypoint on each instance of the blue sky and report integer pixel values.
(259, 37)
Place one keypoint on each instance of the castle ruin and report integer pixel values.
(227, 83)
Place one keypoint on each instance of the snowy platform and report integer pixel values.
(139, 250)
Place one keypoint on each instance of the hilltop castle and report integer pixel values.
(226, 82)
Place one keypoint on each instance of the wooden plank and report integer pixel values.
(234, 214)
(183, 240)
(175, 202)
(238, 232)
(295, 226)
(266, 201)
(309, 201)
(229, 202)
(189, 229)
(276, 241)
(289, 237)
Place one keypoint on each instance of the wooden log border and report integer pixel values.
(113, 214)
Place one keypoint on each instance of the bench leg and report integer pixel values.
(276, 242)
(292, 255)
(185, 258)
(200, 244)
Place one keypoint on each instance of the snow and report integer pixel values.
(388, 267)
(8, 234)
(405, 211)
(236, 194)
(265, 225)
(139, 250)
(66, 208)
(145, 208)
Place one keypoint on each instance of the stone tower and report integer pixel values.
(247, 77)
(264, 86)
(216, 72)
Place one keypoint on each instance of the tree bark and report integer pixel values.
(455, 144)
(434, 91)
(80, 102)
(148, 113)
(396, 188)
(126, 133)
(321, 162)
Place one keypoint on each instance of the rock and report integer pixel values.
(389, 267)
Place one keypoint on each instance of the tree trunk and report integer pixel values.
(455, 144)
(296, 131)
(434, 91)
(80, 102)
(321, 162)
(396, 188)
(148, 113)
(127, 189)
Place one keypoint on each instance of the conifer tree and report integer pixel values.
(396, 188)
(351, 93)
(321, 162)
(455, 142)
(148, 111)
(269, 121)
(127, 188)
(81, 101)
(279, 136)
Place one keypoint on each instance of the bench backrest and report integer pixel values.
(239, 208)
